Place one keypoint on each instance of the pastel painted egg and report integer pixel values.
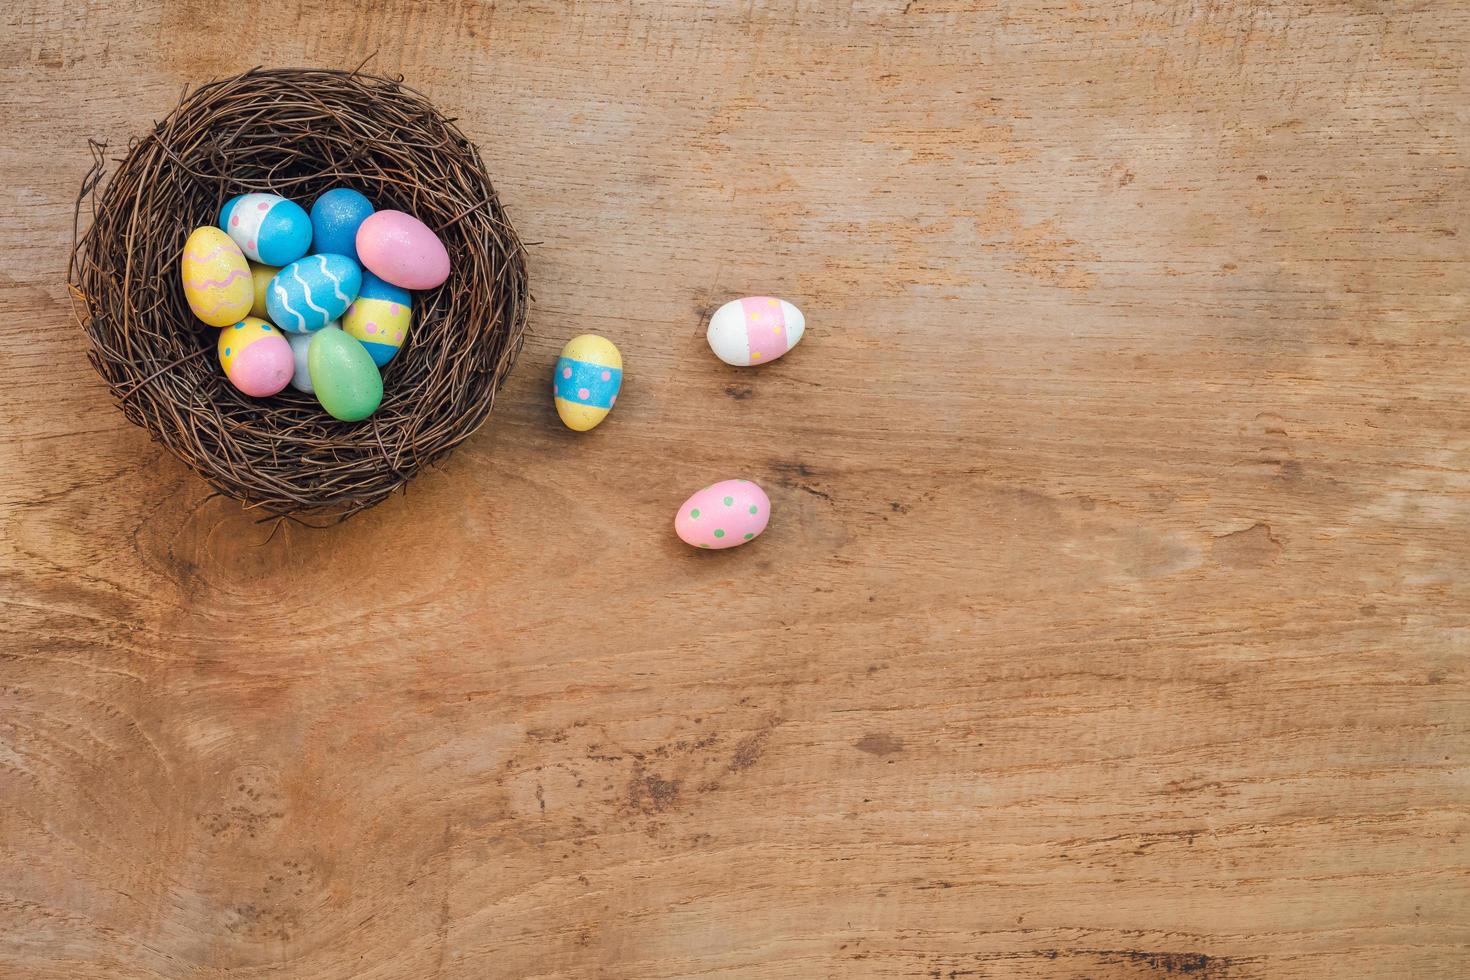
(723, 515)
(343, 375)
(300, 374)
(754, 330)
(260, 277)
(403, 250)
(379, 318)
(312, 292)
(255, 356)
(216, 278)
(335, 217)
(586, 382)
(268, 228)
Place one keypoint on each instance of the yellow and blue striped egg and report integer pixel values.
(379, 317)
(588, 375)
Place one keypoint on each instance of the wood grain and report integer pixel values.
(1112, 622)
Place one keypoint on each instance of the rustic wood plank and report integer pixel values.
(1112, 622)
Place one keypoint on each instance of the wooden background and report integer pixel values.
(1113, 620)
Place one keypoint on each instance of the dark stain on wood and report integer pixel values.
(879, 743)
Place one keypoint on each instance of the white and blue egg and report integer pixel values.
(268, 228)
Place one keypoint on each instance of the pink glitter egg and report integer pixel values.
(401, 249)
(723, 515)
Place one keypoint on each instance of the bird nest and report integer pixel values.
(297, 133)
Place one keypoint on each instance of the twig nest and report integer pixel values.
(294, 134)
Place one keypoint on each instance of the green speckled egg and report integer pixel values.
(343, 374)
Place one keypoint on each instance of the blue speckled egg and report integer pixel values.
(312, 292)
(334, 220)
(268, 228)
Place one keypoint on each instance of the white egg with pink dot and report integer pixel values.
(754, 330)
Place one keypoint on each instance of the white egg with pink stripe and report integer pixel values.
(754, 330)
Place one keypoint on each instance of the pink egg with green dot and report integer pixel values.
(723, 515)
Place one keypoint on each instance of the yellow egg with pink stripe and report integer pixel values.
(216, 279)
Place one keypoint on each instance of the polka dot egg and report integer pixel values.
(585, 385)
(754, 330)
(379, 317)
(723, 515)
(255, 356)
(268, 228)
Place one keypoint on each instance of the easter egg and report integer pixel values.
(260, 277)
(723, 515)
(586, 382)
(403, 250)
(754, 330)
(255, 356)
(300, 373)
(379, 317)
(312, 292)
(335, 217)
(268, 228)
(216, 278)
(343, 375)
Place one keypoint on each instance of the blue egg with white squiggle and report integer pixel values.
(268, 228)
(312, 292)
(335, 218)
